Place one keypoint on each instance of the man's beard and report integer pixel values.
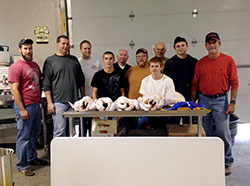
(27, 57)
(212, 51)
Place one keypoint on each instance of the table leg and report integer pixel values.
(70, 126)
(45, 136)
(190, 120)
(199, 125)
(81, 127)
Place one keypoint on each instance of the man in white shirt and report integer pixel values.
(156, 83)
(89, 66)
(159, 84)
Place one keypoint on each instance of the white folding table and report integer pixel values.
(137, 161)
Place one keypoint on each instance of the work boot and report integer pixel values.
(38, 162)
(228, 170)
(27, 172)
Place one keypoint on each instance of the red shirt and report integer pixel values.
(27, 74)
(215, 76)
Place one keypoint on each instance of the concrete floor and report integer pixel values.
(42, 177)
(239, 176)
(241, 152)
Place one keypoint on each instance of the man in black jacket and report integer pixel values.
(181, 69)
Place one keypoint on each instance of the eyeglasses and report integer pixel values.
(139, 56)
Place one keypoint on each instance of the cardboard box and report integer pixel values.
(103, 127)
(184, 130)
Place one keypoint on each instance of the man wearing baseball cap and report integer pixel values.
(24, 78)
(136, 73)
(216, 75)
(133, 78)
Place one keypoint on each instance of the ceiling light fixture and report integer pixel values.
(194, 13)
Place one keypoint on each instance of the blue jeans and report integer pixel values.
(60, 123)
(142, 122)
(28, 131)
(218, 107)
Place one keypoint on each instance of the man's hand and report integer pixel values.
(51, 108)
(24, 114)
(230, 108)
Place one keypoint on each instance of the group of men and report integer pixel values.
(64, 77)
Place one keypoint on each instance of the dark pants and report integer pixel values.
(86, 126)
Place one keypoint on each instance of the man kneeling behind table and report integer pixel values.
(158, 84)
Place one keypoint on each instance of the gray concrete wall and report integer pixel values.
(18, 19)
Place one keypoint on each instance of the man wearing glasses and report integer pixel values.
(133, 79)
(136, 73)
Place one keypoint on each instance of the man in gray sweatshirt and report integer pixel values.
(62, 79)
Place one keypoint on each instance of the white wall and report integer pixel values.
(107, 25)
(19, 18)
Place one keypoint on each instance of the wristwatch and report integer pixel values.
(233, 101)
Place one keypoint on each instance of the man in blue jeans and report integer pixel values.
(62, 79)
(215, 75)
(24, 78)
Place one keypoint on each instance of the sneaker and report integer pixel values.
(27, 172)
(228, 170)
(38, 162)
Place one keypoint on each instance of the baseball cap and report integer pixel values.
(212, 36)
(25, 41)
(143, 50)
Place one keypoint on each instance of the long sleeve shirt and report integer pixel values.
(63, 76)
(215, 76)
